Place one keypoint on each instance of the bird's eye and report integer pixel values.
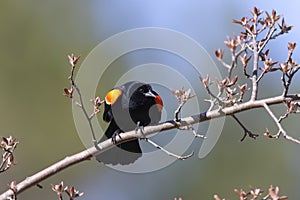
(141, 90)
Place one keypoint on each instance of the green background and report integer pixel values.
(35, 38)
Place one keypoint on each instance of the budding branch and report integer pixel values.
(131, 135)
(225, 103)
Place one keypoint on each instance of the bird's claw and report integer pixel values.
(114, 137)
(140, 128)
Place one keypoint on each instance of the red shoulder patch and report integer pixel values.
(159, 102)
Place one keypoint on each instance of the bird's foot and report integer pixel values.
(141, 129)
(115, 135)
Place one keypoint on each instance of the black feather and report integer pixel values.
(124, 114)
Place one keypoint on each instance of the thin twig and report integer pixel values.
(227, 66)
(182, 97)
(287, 83)
(234, 58)
(281, 130)
(89, 119)
(177, 111)
(213, 101)
(190, 127)
(267, 38)
(246, 131)
(166, 151)
(73, 60)
(7, 158)
(217, 98)
(255, 69)
(196, 134)
(131, 135)
(256, 52)
(283, 117)
(260, 76)
(246, 74)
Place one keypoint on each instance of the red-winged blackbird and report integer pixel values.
(126, 106)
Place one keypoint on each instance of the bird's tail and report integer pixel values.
(124, 154)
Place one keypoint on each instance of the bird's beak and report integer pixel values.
(149, 94)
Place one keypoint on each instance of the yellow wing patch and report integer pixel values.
(112, 96)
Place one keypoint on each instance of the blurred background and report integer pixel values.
(35, 38)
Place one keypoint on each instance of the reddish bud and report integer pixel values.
(73, 59)
(219, 54)
(291, 46)
(205, 81)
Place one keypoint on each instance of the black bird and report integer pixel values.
(131, 104)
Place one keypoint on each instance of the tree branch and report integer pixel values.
(280, 128)
(166, 151)
(246, 131)
(131, 135)
(255, 70)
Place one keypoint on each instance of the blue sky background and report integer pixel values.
(36, 36)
